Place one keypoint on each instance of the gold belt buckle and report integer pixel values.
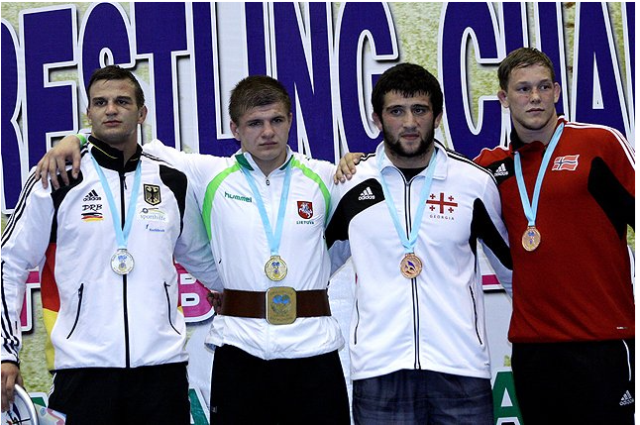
(281, 305)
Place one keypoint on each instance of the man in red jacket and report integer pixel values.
(568, 194)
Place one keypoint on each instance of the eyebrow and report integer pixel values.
(424, 105)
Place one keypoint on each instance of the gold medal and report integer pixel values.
(276, 268)
(122, 262)
(410, 266)
(531, 239)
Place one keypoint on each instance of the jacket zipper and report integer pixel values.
(123, 187)
(355, 329)
(75, 322)
(414, 281)
(166, 291)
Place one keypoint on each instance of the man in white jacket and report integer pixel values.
(411, 217)
(104, 245)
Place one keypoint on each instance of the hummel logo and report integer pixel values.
(92, 196)
(366, 194)
(501, 171)
(626, 399)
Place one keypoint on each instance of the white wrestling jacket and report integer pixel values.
(434, 321)
(241, 249)
(93, 316)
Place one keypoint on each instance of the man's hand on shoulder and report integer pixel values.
(53, 163)
(347, 167)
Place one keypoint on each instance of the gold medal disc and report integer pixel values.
(410, 266)
(275, 268)
(531, 239)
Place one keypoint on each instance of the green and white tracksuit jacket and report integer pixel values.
(239, 244)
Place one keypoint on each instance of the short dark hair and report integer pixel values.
(257, 90)
(114, 72)
(523, 58)
(409, 80)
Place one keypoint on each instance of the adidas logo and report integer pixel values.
(92, 196)
(501, 171)
(626, 399)
(366, 194)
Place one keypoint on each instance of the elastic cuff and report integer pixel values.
(83, 140)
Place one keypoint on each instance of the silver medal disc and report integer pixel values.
(122, 262)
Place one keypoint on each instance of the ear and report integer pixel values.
(556, 92)
(437, 121)
(376, 120)
(234, 130)
(502, 97)
(142, 114)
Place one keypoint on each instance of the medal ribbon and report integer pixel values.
(273, 239)
(531, 209)
(122, 235)
(410, 242)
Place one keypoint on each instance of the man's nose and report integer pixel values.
(111, 108)
(268, 130)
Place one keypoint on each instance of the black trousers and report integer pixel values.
(107, 396)
(248, 390)
(586, 383)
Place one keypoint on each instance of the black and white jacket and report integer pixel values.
(436, 320)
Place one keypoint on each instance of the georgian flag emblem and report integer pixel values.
(305, 209)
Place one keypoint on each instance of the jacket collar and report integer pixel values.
(111, 158)
(245, 160)
(440, 172)
(517, 143)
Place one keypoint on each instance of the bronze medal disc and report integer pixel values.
(275, 268)
(531, 239)
(410, 266)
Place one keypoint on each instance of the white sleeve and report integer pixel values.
(494, 238)
(24, 244)
(193, 250)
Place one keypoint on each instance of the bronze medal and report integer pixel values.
(275, 268)
(531, 239)
(410, 266)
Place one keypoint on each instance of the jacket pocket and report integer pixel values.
(166, 292)
(75, 322)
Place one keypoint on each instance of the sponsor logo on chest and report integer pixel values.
(91, 209)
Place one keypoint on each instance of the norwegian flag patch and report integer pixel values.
(565, 163)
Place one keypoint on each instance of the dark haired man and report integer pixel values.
(411, 218)
(105, 245)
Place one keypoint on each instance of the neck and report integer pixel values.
(542, 135)
(267, 166)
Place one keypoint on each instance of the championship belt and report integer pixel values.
(281, 305)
